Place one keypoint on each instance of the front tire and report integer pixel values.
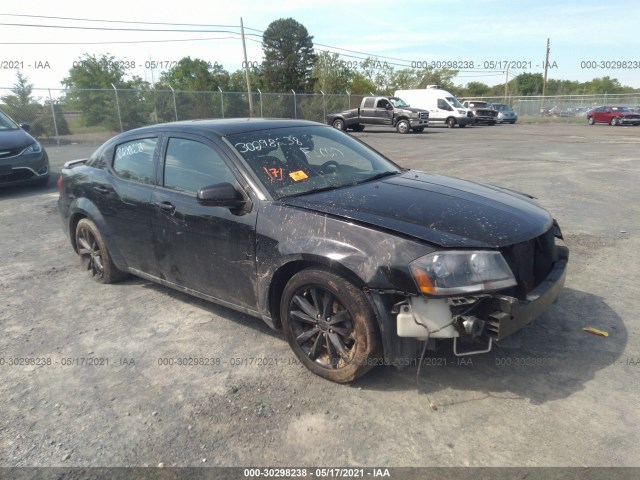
(94, 254)
(330, 325)
(451, 122)
(590, 121)
(615, 121)
(403, 126)
(339, 124)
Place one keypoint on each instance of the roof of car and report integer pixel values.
(228, 126)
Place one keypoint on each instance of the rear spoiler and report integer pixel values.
(73, 163)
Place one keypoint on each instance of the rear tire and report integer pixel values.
(330, 325)
(94, 254)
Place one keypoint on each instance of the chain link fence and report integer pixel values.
(56, 113)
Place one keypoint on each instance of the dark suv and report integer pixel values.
(22, 159)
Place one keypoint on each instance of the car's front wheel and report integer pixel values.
(451, 122)
(339, 124)
(590, 121)
(403, 126)
(94, 254)
(615, 121)
(330, 325)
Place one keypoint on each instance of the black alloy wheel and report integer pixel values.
(94, 254)
(329, 325)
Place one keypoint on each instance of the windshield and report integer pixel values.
(454, 101)
(306, 159)
(501, 106)
(6, 123)
(398, 102)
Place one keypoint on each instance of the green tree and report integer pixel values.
(19, 104)
(196, 83)
(605, 85)
(476, 89)
(22, 107)
(527, 84)
(288, 57)
(443, 77)
(331, 74)
(90, 83)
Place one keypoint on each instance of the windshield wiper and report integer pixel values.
(313, 190)
(376, 177)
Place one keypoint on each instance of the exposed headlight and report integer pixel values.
(462, 112)
(33, 148)
(461, 272)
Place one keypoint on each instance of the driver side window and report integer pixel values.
(190, 165)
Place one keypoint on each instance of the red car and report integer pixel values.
(613, 116)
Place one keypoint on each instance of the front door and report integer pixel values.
(208, 249)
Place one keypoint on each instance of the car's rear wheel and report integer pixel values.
(615, 121)
(339, 124)
(94, 254)
(329, 325)
(403, 126)
(451, 122)
(590, 121)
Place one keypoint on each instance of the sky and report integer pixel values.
(588, 38)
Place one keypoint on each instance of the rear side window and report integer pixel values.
(369, 102)
(190, 165)
(134, 160)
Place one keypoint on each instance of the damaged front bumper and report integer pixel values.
(489, 317)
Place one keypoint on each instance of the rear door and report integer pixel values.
(204, 248)
(122, 193)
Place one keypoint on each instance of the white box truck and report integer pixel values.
(443, 106)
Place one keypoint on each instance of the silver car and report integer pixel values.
(506, 114)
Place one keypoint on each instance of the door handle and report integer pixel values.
(166, 206)
(102, 189)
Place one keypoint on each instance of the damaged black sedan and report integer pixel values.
(358, 260)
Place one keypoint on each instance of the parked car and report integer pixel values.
(358, 260)
(613, 116)
(482, 111)
(22, 159)
(506, 114)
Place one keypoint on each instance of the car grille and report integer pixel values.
(17, 175)
(531, 262)
(424, 115)
(10, 153)
(486, 113)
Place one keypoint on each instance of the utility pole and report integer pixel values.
(246, 69)
(506, 85)
(546, 65)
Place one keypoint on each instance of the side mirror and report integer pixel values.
(25, 126)
(222, 195)
(389, 107)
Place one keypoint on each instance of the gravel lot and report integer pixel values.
(555, 396)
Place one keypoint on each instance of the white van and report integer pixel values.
(443, 106)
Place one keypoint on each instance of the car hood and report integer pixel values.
(444, 211)
(13, 139)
